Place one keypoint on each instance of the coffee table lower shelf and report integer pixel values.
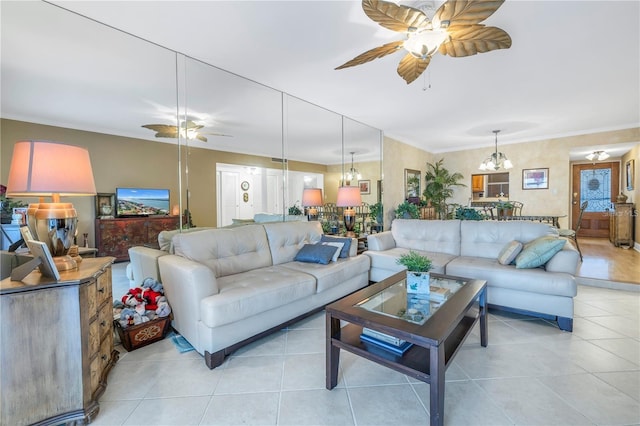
(415, 362)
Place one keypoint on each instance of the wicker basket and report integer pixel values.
(140, 335)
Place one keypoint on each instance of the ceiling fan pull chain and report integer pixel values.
(424, 85)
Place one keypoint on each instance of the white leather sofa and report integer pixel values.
(471, 248)
(227, 287)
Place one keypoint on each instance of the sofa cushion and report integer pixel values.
(336, 254)
(333, 274)
(537, 252)
(485, 238)
(344, 240)
(249, 293)
(226, 251)
(316, 253)
(442, 236)
(509, 252)
(287, 238)
(535, 280)
(388, 259)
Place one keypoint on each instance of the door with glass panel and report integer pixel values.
(599, 184)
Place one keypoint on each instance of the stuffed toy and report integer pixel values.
(151, 297)
(128, 317)
(163, 309)
(153, 285)
(133, 297)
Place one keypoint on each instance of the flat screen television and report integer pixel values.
(132, 202)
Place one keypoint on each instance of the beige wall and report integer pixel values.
(127, 162)
(550, 153)
(397, 156)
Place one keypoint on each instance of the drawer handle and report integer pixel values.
(103, 323)
(104, 357)
(101, 290)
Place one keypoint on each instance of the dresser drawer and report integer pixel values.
(92, 299)
(104, 287)
(94, 338)
(105, 320)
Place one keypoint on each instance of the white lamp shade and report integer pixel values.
(43, 168)
(311, 197)
(348, 196)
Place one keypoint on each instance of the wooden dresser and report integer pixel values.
(621, 224)
(115, 236)
(56, 345)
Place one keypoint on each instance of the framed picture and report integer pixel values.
(411, 183)
(535, 178)
(630, 173)
(365, 186)
(22, 211)
(105, 205)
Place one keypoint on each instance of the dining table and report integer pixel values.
(553, 219)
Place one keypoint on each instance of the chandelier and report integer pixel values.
(597, 155)
(496, 160)
(353, 172)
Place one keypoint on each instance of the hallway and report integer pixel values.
(604, 261)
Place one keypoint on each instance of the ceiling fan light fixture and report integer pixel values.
(598, 155)
(425, 43)
(496, 160)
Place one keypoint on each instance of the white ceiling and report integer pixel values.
(573, 67)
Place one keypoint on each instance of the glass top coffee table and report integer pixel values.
(415, 334)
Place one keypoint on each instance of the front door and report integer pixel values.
(599, 184)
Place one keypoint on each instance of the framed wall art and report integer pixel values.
(630, 173)
(365, 186)
(535, 178)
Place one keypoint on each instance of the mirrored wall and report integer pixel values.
(63, 70)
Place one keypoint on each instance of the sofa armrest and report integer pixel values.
(381, 241)
(143, 264)
(186, 283)
(566, 260)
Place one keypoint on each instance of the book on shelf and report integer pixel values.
(396, 349)
(438, 293)
(382, 336)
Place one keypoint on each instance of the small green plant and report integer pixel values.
(504, 205)
(326, 227)
(407, 210)
(414, 262)
(294, 210)
(467, 213)
(376, 211)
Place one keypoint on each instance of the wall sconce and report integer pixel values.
(348, 197)
(45, 168)
(312, 198)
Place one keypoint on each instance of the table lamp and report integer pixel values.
(348, 197)
(45, 168)
(312, 198)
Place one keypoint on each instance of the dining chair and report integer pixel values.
(517, 208)
(573, 233)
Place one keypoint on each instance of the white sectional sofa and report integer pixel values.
(471, 249)
(227, 287)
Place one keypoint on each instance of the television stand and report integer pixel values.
(115, 236)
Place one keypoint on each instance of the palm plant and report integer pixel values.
(439, 184)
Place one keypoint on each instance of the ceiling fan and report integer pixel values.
(188, 129)
(455, 30)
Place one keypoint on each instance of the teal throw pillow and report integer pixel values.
(538, 252)
(347, 243)
(509, 252)
(315, 253)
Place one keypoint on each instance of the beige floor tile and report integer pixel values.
(243, 409)
(315, 407)
(304, 371)
(628, 349)
(251, 374)
(169, 411)
(625, 381)
(387, 405)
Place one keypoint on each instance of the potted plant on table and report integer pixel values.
(407, 210)
(418, 267)
(504, 208)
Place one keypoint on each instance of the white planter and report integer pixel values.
(418, 282)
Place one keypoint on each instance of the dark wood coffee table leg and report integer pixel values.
(436, 385)
(333, 352)
(484, 331)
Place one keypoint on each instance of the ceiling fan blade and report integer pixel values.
(189, 125)
(472, 39)
(217, 134)
(465, 12)
(370, 55)
(200, 137)
(164, 128)
(170, 135)
(411, 67)
(395, 17)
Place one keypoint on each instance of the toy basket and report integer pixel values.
(137, 336)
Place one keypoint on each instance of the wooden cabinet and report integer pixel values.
(477, 183)
(621, 224)
(114, 237)
(57, 345)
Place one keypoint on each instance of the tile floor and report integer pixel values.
(530, 374)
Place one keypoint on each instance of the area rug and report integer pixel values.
(180, 342)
